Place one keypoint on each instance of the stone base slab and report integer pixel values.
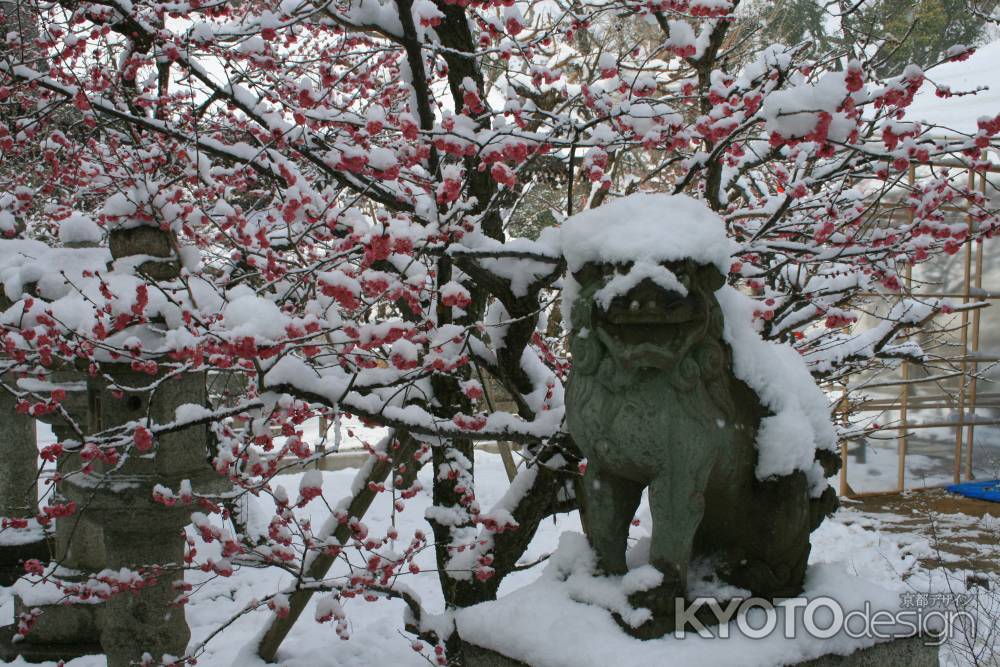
(62, 623)
(908, 652)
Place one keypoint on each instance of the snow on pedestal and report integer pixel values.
(564, 619)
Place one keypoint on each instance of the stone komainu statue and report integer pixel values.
(653, 402)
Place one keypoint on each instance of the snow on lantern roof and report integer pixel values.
(647, 227)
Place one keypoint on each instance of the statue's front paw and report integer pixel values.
(655, 605)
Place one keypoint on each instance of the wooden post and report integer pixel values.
(966, 280)
(507, 457)
(976, 318)
(904, 408)
(904, 396)
(845, 488)
(324, 428)
(843, 468)
(509, 465)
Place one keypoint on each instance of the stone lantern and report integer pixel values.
(140, 534)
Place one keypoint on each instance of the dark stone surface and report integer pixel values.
(909, 652)
(149, 241)
(18, 458)
(12, 557)
(38, 652)
(477, 656)
(62, 624)
(653, 402)
(177, 455)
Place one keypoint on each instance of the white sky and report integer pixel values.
(982, 69)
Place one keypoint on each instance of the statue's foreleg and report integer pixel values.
(610, 503)
(677, 503)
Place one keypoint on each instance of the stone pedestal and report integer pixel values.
(908, 652)
(63, 632)
(141, 536)
(14, 553)
(42, 652)
(19, 459)
(18, 489)
(78, 540)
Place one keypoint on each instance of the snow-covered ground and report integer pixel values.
(930, 454)
(844, 544)
(375, 627)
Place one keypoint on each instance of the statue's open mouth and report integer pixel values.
(648, 333)
(646, 307)
(646, 315)
(653, 324)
